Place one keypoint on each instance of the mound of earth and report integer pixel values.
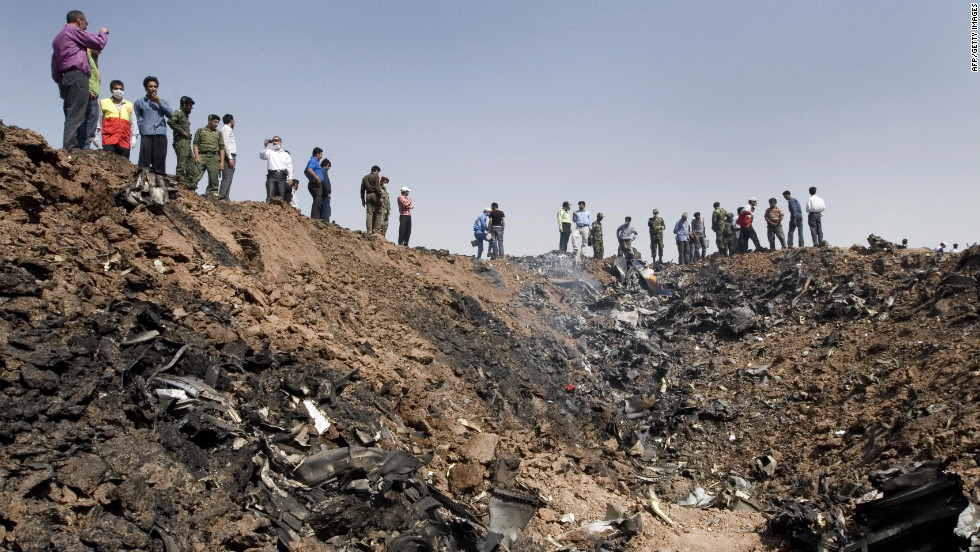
(235, 376)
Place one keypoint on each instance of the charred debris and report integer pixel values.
(831, 390)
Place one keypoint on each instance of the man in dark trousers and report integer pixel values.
(371, 199)
(314, 177)
(152, 114)
(496, 231)
(70, 69)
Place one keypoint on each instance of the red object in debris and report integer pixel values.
(570, 387)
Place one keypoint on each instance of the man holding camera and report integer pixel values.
(279, 170)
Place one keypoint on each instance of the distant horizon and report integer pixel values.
(628, 107)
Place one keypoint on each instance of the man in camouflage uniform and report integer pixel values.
(209, 152)
(725, 236)
(597, 249)
(187, 167)
(657, 225)
(385, 206)
(718, 222)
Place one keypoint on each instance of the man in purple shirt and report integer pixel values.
(70, 69)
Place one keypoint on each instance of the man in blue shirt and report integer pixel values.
(626, 234)
(795, 218)
(582, 225)
(682, 235)
(152, 114)
(480, 228)
(314, 176)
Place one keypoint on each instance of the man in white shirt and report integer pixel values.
(231, 151)
(279, 166)
(814, 209)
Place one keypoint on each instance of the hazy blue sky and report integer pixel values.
(627, 105)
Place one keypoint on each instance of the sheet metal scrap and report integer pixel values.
(150, 189)
(509, 513)
(919, 510)
(197, 389)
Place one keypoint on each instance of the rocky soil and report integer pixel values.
(215, 376)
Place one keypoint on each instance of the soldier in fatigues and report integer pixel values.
(718, 221)
(725, 236)
(597, 250)
(187, 167)
(385, 206)
(657, 225)
(209, 152)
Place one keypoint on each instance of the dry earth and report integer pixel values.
(524, 380)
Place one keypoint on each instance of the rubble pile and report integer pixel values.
(179, 373)
(788, 375)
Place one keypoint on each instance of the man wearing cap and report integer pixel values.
(682, 235)
(597, 247)
(718, 222)
(748, 233)
(774, 225)
(582, 222)
(404, 217)
(656, 225)
(564, 226)
(231, 153)
(815, 207)
(70, 69)
(385, 206)
(209, 153)
(279, 170)
(795, 218)
(187, 168)
(480, 228)
(371, 198)
(725, 236)
(152, 113)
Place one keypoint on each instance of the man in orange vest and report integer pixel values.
(117, 117)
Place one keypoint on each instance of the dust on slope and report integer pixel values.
(274, 306)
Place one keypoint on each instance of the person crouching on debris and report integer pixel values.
(597, 248)
(682, 236)
(404, 217)
(626, 234)
(480, 228)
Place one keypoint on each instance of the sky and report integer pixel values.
(626, 105)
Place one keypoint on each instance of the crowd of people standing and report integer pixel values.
(210, 150)
(734, 232)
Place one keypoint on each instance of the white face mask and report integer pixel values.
(278, 146)
(117, 94)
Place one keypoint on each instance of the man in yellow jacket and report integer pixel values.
(117, 118)
(564, 226)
